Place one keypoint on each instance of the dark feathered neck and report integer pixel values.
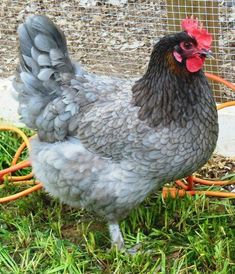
(168, 92)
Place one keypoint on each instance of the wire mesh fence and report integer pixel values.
(115, 37)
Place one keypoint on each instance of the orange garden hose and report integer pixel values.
(186, 188)
(18, 180)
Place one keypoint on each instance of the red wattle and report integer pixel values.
(194, 63)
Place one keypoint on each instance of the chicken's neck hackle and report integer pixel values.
(168, 91)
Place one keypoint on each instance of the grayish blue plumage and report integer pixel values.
(105, 143)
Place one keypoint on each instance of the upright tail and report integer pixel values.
(47, 102)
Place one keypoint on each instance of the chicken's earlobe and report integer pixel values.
(177, 56)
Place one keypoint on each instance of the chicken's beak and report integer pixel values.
(207, 53)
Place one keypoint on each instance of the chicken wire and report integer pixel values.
(115, 37)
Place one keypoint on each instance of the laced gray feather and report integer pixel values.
(48, 93)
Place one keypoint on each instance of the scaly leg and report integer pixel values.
(116, 235)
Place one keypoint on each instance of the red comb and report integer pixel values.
(202, 36)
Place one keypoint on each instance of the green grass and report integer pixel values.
(189, 235)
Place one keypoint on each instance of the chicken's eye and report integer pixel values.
(187, 45)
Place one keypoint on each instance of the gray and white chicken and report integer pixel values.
(105, 143)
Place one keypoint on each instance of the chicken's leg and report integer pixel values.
(116, 235)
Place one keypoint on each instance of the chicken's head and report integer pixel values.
(194, 46)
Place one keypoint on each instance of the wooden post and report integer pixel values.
(208, 13)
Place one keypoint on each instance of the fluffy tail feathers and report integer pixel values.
(47, 103)
(43, 48)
